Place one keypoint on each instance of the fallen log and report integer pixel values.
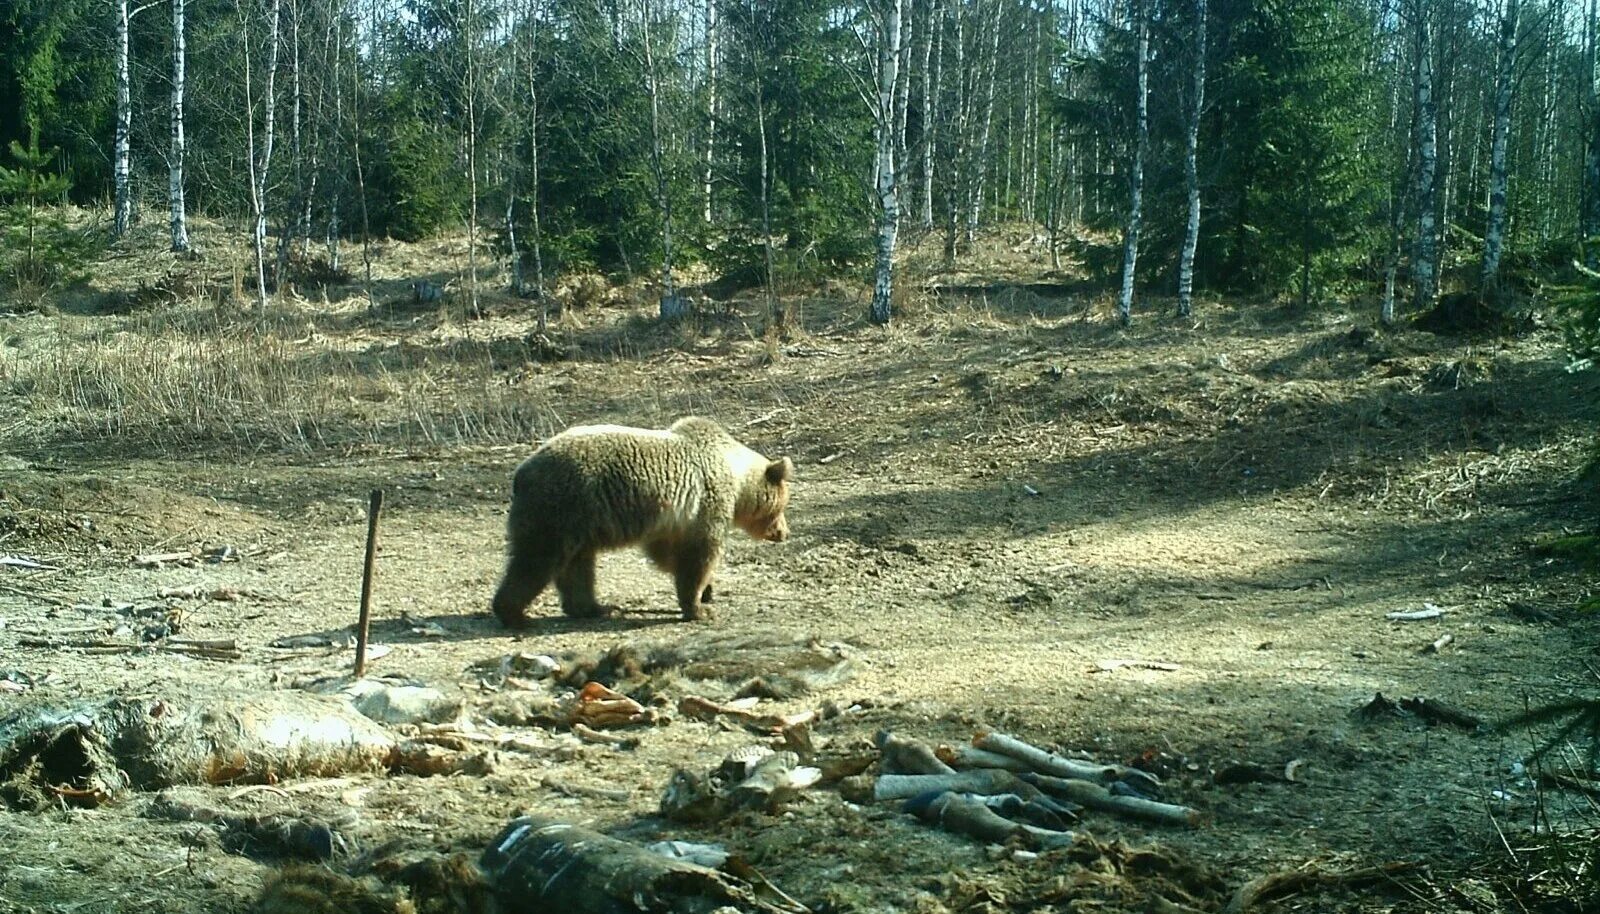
(983, 781)
(903, 755)
(1095, 796)
(971, 816)
(963, 758)
(1049, 763)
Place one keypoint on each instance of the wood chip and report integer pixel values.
(1107, 666)
(1428, 611)
(17, 561)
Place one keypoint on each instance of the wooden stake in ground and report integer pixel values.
(362, 621)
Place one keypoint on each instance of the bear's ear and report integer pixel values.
(779, 470)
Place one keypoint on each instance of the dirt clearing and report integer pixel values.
(1173, 547)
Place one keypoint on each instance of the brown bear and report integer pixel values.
(601, 487)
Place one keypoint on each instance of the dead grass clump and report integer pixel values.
(279, 385)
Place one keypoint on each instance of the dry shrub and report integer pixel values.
(178, 285)
(306, 270)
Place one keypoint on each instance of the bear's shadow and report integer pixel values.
(476, 627)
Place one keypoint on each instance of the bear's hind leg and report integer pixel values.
(528, 572)
(576, 584)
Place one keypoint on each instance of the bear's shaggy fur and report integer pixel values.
(601, 487)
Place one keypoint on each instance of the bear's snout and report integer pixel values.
(779, 531)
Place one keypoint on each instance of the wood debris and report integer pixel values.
(1107, 666)
(704, 709)
(1428, 611)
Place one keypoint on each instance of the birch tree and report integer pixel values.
(469, 34)
(291, 224)
(179, 220)
(1130, 238)
(931, 71)
(672, 305)
(958, 171)
(1590, 217)
(981, 152)
(122, 164)
(1494, 235)
(260, 158)
(1427, 190)
(888, 191)
(712, 36)
(1191, 168)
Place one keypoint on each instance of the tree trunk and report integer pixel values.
(671, 305)
(711, 105)
(361, 174)
(291, 222)
(179, 218)
(981, 154)
(1191, 168)
(533, 173)
(261, 159)
(958, 170)
(775, 311)
(902, 91)
(1590, 217)
(469, 34)
(121, 165)
(888, 199)
(337, 50)
(932, 55)
(1130, 239)
(1494, 235)
(1427, 171)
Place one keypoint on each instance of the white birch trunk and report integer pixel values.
(262, 159)
(175, 203)
(775, 311)
(121, 164)
(1130, 239)
(1030, 126)
(981, 177)
(902, 104)
(959, 168)
(1427, 175)
(1191, 168)
(291, 222)
(711, 105)
(470, 36)
(1494, 235)
(931, 57)
(1589, 220)
(1399, 197)
(671, 305)
(888, 199)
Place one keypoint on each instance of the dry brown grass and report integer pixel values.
(188, 376)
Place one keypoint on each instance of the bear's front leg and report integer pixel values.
(693, 568)
(576, 586)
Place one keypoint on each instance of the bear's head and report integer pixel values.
(764, 500)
